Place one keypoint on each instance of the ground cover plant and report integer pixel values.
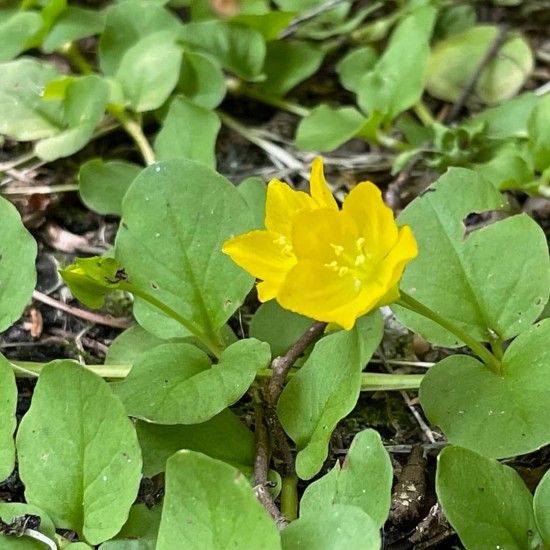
(250, 400)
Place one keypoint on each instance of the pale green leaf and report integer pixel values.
(210, 504)
(363, 480)
(176, 216)
(201, 79)
(497, 416)
(17, 271)
(541, 505)
(468, 279)
(11, 510)
(326, 389)
(79, 456)
(8, 404)
(15, 31)
(486, 502)
(176, 384)
(188, 131)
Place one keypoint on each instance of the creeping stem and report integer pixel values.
(210, 345)
(408, 302)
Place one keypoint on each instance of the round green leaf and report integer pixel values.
(354, 65)
(176, 384)
(8, 404)
(344, 123)
(333, 528)
(505, 74)
(15, 31)
(541, 505)
(104, 184)
(487, 503)
(475, 280)
(326, 389)
(17, 271)
(497, 416)
(25, 115)
(223, 437)
(237, 48)
(188, 131)
(201, 80)
(363, 480)
(210, 504)
(176, 216)
(149, 71)
(79, 457)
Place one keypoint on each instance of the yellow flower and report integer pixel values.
(322, 262)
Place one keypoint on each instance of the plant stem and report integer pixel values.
(134, 130)
(210, 345)
(76, 58)
(289, 497)
(408, 302)
(370, 381)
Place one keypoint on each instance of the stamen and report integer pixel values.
(360, 242)
(337, 249)
(360, 259)
(343, 271)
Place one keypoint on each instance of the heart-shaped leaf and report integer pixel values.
(8, 404)
(469, 280)
(176, 216)
(363, 480)
(497, 416)
(333, 528)
(17, 271)
(326, 389)
(79, 457)
(223, 437)
(176, 384)
(486, 502)
(210, 504)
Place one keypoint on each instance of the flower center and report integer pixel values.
(354, 261)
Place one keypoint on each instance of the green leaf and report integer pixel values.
(539, 133)
(344, 123)
(11, 510)
(332, 528)
(469, 279)
(84, 103)
(287, 64)
(397, 81)
(354, 65)
(130, 344)
(126, 23)
(139, 532)
(497, 416)
(268, 24)
(79, 456)
(363, 480)
(326, 389)
(486, 502)
(210, 504)
(541, 505)
(17, 271)
(223, 437)
(278, 327)
(502, 78)
(188, 131)
(8, 404)
(102, 185)
(25, 116)
(73, 24)
(175, 383)
(176, 216)
(254, 191)
(15, 31)
(238, 49)
(149, 71)
(201, 80)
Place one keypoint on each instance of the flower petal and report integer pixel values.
(316, 233)
(319, 188)
(404, 250)
(375, 221)
(261, 254)
(282, 204)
